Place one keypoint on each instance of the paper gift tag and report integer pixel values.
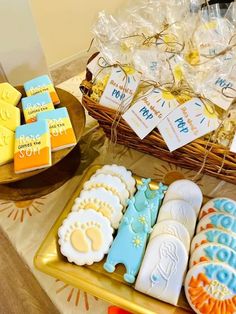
(187, 123)
(218, 88)
(233, 145)
(96, 64)
(148, 111)
(121, 87)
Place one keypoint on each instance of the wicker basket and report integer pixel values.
(190, 156)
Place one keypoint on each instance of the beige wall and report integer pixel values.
(21, 55)
(64, 25)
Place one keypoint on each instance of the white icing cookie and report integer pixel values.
(181, 211)
(213, 252)
(85, 237)
(219, 204)
(185, 190)
(163, 268)
(218, 220)
(110, 183)
(214, 236)
(174, 228)
(211, 288)
(102, 201)
(122, 173)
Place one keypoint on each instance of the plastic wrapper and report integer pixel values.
(177, 46)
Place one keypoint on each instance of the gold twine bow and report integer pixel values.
(159, 39)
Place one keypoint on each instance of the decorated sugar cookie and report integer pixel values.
(211, 288)
(122, 173)
(213, 252)
(85, 237)
(145, 196)
(185, 190)
(181, 211)
(102, 201)
(163, 268)
(214, 236)
(222, 204)
(174, 228)
(218, 220)
(39, 85)
(9, 94)
(110, 183)
(129, 245)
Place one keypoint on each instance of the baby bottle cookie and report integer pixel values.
(185, 190)
(102, 201)
(110, 183)
(173, 228)
(211, 288)
(180, 211)
(85, 237)
(222, 221)
(213, 252)
(222, 204)
(214, 236)
(122, 173)
(163, 268)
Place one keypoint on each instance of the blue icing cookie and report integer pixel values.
(213, 252)
(128, 249)
(214, 236)
(140, 220)
(225, 205)
(222, 221)
(146, 196)
(221, 204)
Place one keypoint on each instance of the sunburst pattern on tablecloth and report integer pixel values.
(74, 295)
(168, 173)
(19, 210)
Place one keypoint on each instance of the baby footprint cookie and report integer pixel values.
(102, 201)
(85, 237)
(122, 173)
(110, 183)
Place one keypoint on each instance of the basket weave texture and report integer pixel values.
(191, 156)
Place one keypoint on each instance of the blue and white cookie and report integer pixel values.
(218, 220)
(221, 204)
(213, 252)
(85, 237)
(211, 288)
(214, 236)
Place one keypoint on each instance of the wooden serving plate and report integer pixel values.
(77, 116)
(44, 182)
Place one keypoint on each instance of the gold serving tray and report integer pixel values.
(94, 279)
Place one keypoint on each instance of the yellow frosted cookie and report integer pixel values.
(6, 145)
(9, 116)
(9, 94)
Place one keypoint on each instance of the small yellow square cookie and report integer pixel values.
(7, 139)
(9, 116)
(9, 94)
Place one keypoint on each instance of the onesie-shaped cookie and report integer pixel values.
(153, 198)
(129, 246)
